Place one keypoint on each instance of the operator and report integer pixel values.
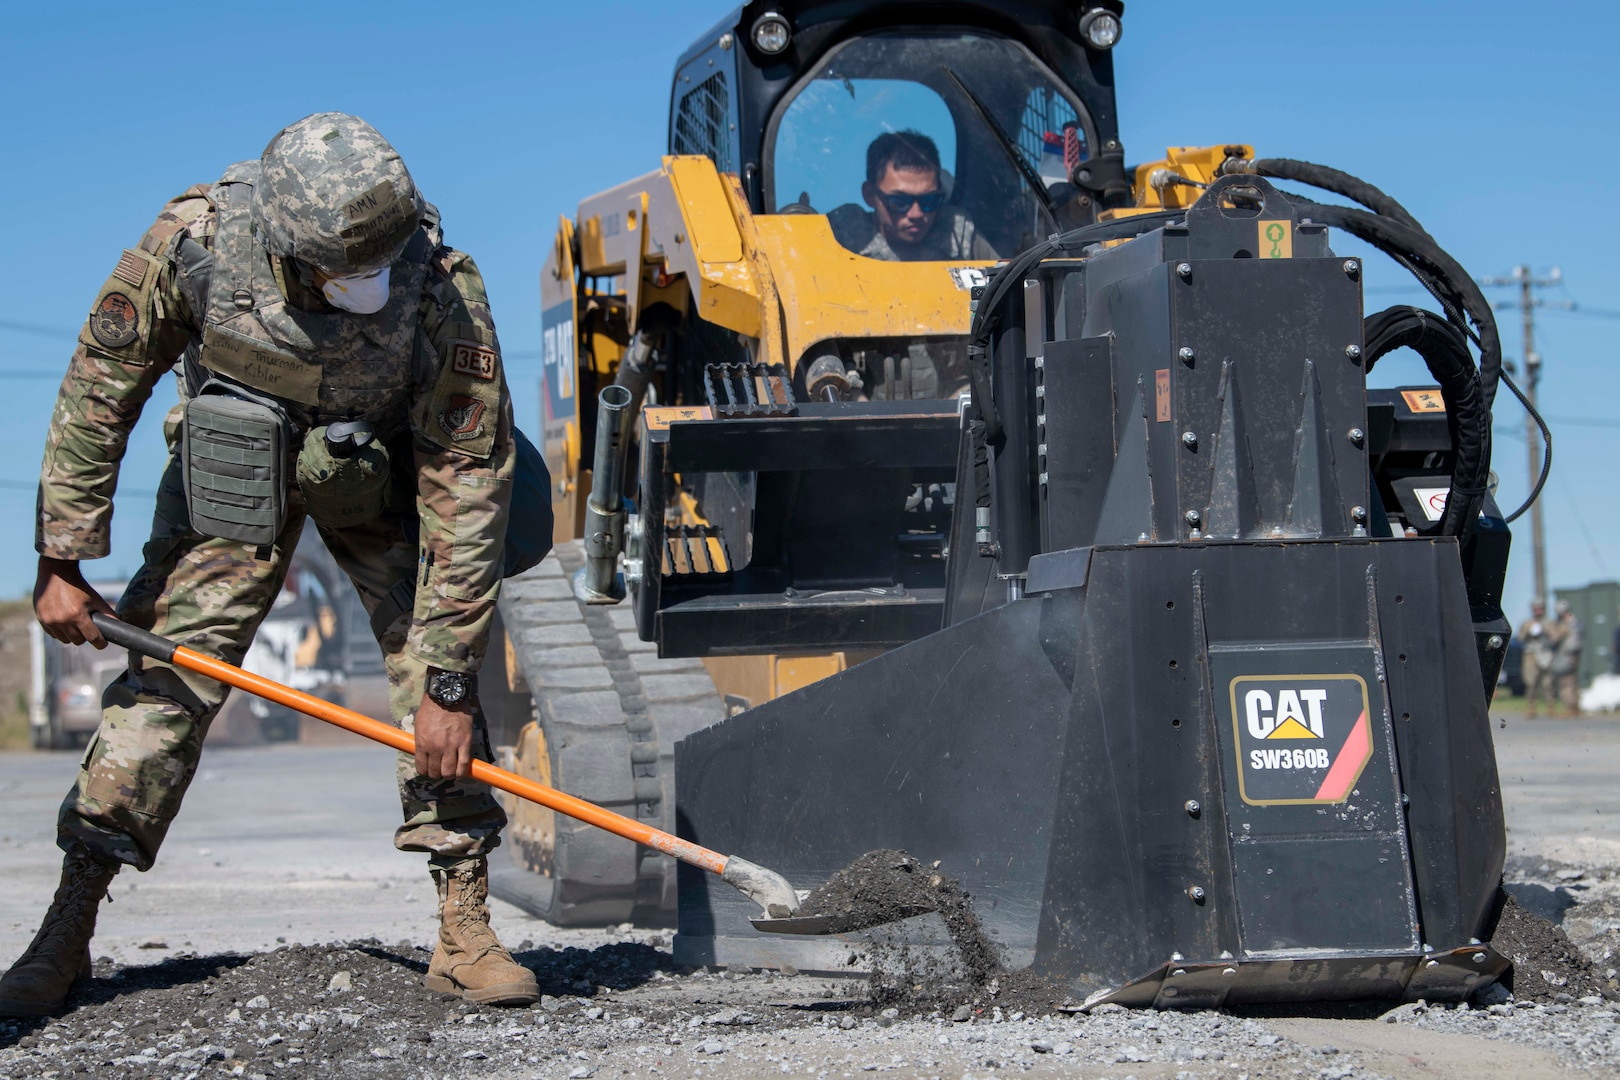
(909, 220)
(336, 361)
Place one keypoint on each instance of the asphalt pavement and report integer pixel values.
(295, 842)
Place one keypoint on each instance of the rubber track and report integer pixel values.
(611, 711)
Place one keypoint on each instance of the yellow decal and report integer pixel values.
(1424, 400)
(660, 419)
(1276, 239)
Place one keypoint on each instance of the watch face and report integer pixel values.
(448, 687)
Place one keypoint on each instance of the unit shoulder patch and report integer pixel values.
(115, 322)
(121, 317)
(464, 411)
(462, 418)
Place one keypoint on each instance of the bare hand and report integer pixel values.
(64, 602)
(443, 739)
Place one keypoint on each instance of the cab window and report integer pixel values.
(926, 145)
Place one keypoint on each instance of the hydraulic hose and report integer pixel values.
(1469, 391)
(1340, 183)
(1444, 349)
(1416, 248)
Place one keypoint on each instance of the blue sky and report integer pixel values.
(1493, 122)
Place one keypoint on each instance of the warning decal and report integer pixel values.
(1424, 401)
(1300, 738)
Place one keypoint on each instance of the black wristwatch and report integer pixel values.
(449, 688)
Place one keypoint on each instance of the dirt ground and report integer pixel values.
(290, 843)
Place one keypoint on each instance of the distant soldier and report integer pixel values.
(336, 361)
(1567, 659)
(1541, 638)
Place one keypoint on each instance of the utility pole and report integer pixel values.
(1527, 303)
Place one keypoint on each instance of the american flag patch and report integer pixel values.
(131, 268)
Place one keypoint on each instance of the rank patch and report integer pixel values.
(115, 322)
(463, 421)
(473, 360)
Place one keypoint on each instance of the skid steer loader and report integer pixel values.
(1052, 532)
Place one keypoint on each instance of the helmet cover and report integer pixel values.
(333, 193)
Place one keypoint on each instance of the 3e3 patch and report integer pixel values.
(468, 358)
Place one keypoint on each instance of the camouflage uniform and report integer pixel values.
(425, 370)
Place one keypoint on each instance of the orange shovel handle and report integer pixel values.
(161, 648)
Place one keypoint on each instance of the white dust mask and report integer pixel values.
(363, 294)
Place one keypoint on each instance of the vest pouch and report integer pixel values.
(234, 446)
(343, 473)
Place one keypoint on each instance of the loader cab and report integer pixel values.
(789, 97)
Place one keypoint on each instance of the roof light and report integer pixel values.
(771, 33)
(1100, 28)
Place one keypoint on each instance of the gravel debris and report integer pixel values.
(358, 1009)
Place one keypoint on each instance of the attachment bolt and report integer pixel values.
(1196, 894)
(1352, 267)
(1357, 435)
(1358, 514)
(1353, 351)
(1187, 355)
(1494, 642)
(1194, 518)
(1192, 807)
(1479, 958)
(1189, 439)
(1184, 270)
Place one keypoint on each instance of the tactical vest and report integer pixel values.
(322, 366)
(268, 374)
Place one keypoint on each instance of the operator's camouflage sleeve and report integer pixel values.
(138, 326)
(461, 421)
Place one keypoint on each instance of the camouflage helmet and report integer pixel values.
(334, 194)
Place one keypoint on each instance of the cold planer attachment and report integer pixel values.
(1207, 722)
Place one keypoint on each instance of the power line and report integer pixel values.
(36, 329)
(1527, 301)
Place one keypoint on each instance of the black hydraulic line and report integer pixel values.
(1444, 349)
(1338, 182)
(1399, 240)
(1546, 453)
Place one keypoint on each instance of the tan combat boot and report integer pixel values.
(469, 960)
(38, 983)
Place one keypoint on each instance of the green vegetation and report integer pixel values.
(15, 616)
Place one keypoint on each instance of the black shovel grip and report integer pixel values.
(133, 638)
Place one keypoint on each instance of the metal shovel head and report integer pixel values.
(829, 924)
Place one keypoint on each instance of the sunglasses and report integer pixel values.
(899, 202)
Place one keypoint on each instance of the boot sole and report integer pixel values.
(10, 1007)
(515, 993)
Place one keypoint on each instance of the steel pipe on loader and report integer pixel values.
(598, 581)
(765, 887)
